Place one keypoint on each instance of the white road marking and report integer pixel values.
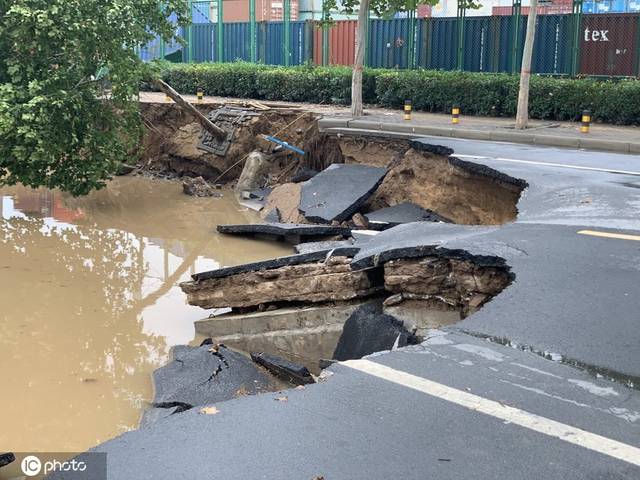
(537, 423)
(618, 236)
(548, 164)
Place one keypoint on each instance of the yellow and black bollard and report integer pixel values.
(200, 94)
(455, 114)
(407, 109)
(586, 121)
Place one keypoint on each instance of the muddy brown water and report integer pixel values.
(90, 303)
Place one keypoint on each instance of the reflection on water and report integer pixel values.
(90, 304)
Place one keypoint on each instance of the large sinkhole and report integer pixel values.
(317, 307)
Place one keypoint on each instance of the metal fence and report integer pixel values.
(568, 44)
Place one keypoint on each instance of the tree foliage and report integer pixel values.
(69, 79)
(386, 8)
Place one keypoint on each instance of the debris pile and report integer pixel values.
(198, 187)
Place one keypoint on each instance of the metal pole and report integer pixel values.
(220, 32)
(516, 10)
(411, 41)
(576, 26)
(462, 11)
(325, 34)
(252, 31)
(190, 34)
(286, 18)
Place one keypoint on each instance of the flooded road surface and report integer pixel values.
(90, 303)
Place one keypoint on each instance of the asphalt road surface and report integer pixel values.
(542, 382)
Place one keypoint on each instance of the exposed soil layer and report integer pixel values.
(324, 281)
(454, 283)
(461, 284)
(171, 138)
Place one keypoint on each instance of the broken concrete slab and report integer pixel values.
(337, 192)
(204, 375)
(417, 239)
(223, 327)
(405, 212)
(367, 331)
(285, 230)
(323, 246)
(303, 335)
(272, 263)
(329, 280)
(288, 371)
(254, 173)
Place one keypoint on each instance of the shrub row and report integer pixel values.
(551, 98)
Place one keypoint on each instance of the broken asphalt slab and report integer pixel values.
(203, 375)
(406, 212)
(310, 257)
(282, 368)
(285, 230)
(368, 330)
(337, 192)
(589, 326)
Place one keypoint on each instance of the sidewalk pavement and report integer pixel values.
(611, 138)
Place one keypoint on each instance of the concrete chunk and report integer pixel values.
(284, 369)
(367, 331)
(402, 213)
(337, 192)
(285, 230)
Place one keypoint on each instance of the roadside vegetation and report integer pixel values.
(68, 74)
(611, 101)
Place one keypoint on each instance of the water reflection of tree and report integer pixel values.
(103, 317)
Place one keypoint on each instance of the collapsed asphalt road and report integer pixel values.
(564, 403)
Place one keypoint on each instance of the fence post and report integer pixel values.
(411, 41)
(325, 34)
(252, 31)
(516, 15)
(637, 69)
(220, 32)
(462, 13)
(576, 28)
(286, 24)
(190, 35)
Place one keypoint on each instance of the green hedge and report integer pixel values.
(610, 101)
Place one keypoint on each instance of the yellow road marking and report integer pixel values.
(619, 236)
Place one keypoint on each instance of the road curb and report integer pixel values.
(406, 130)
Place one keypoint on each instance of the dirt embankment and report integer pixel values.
(427, 176)
(171, 142)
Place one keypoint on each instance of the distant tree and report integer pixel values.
(381, 8)
(69, 79)
(522, 113)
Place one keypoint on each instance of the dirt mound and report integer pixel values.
(286, 198)
(464, 195)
